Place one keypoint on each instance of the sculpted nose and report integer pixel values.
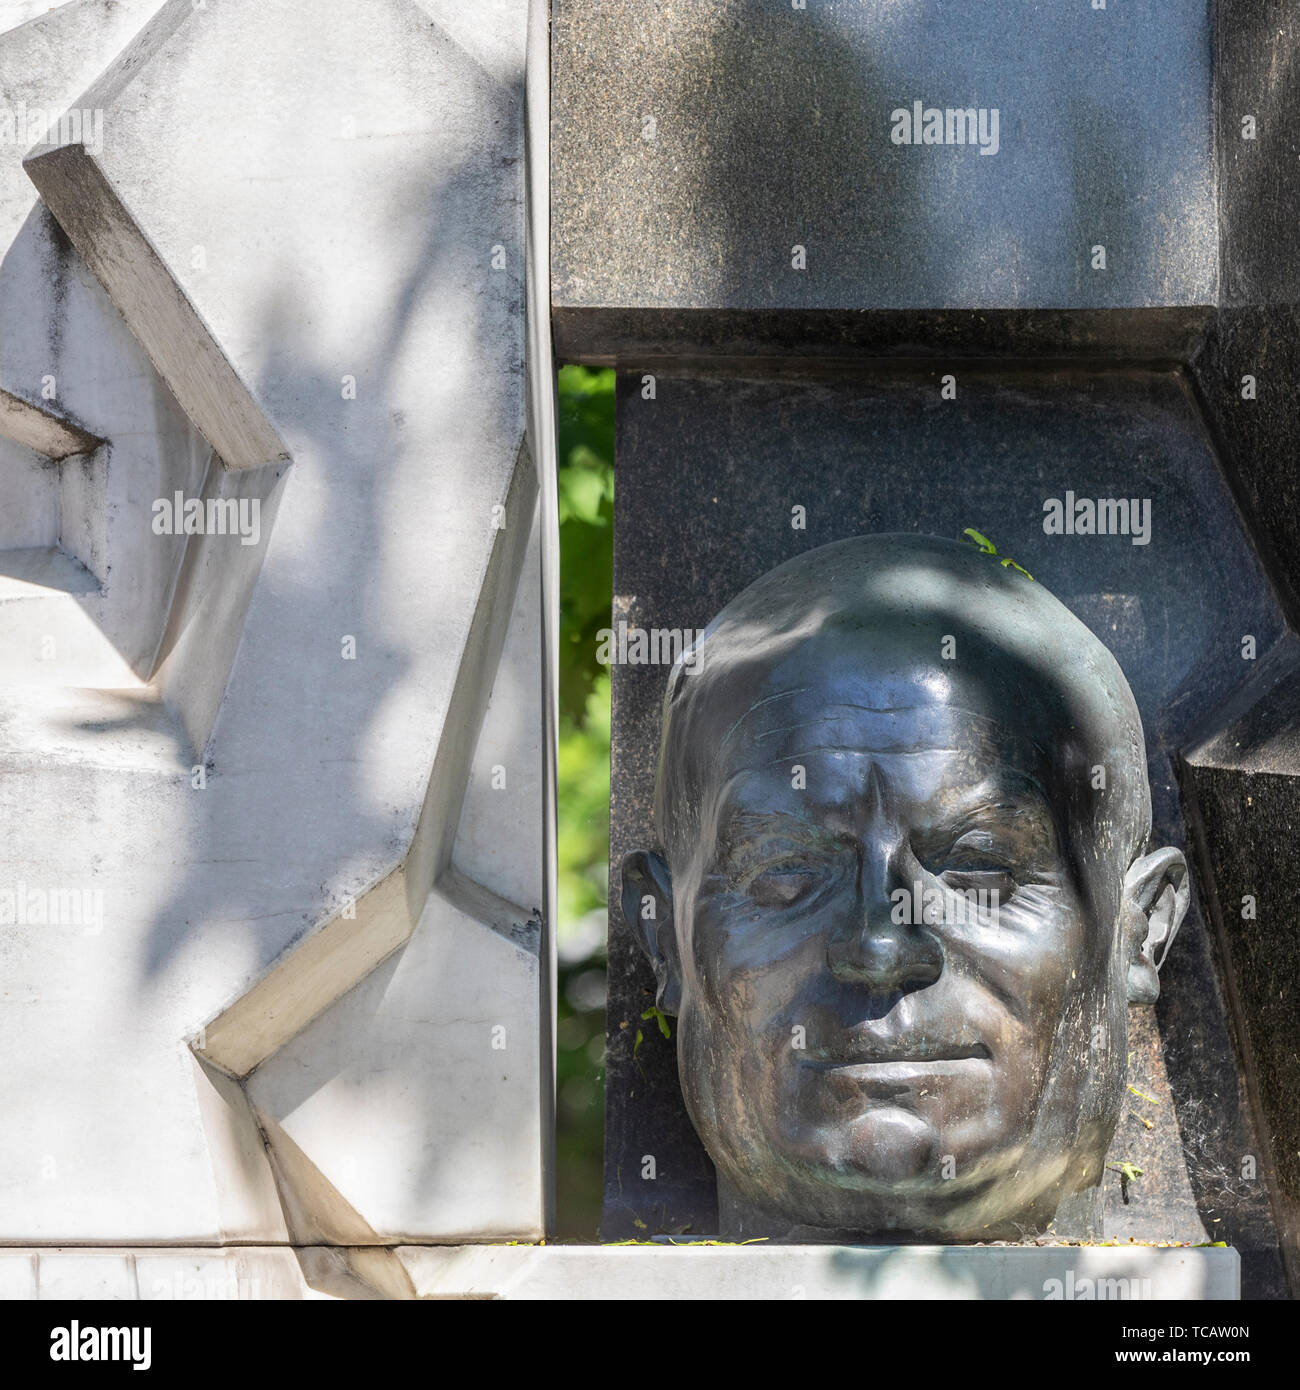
(870, 948)
(888, 960)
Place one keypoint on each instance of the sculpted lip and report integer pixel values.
(923, 1053)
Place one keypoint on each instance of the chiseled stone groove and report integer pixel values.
(46, 431)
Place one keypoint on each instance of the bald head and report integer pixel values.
(841, 640)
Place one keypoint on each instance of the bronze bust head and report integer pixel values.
(902, 895)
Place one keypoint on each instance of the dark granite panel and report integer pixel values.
(1258, 80)
(1247, 824)
(1242, 790)
(696, 147)
(1248, 377)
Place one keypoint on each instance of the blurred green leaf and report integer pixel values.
(586, 491)
(586, 488)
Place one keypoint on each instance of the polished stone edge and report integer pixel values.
(131, 1273)
(686, 1271)
(632, 337)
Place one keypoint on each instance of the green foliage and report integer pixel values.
(583, 774)
(660, 1018)
(988, 548)
(586, 488)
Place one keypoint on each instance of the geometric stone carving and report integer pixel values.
(45, 431)
(472, 976)
(312, 219)
(72, 378)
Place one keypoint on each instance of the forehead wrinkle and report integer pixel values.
(812, 723)
(856, 750)
(828, 718)
(758, 704)
(1031, 802)
(993, 727)
(1025, 784)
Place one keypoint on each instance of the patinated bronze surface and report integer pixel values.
(902, 895)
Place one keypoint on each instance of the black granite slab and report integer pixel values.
(1241, 778)
(1242, 793)
(707, 474)
(774, 129)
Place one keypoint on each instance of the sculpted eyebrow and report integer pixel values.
(1033, 816)
(746, 823)
(748, 834)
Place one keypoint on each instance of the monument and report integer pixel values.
(899, 851)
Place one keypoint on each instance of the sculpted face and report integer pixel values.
(897, 921)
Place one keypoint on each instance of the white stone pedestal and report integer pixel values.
(698, 1271)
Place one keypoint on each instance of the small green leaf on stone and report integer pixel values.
(1129, 1171)
(656, 1013)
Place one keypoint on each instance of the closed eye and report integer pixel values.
(797, 874)
(975, 860)
(979, 844)
(974, 864)
(782, 886)
(974, 849)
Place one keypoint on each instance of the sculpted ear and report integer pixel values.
(647, 902)
(1156, 894)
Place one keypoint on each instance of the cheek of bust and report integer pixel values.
(1033, 962)
(751, 974)
(728, 1097)
(734, 1061)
